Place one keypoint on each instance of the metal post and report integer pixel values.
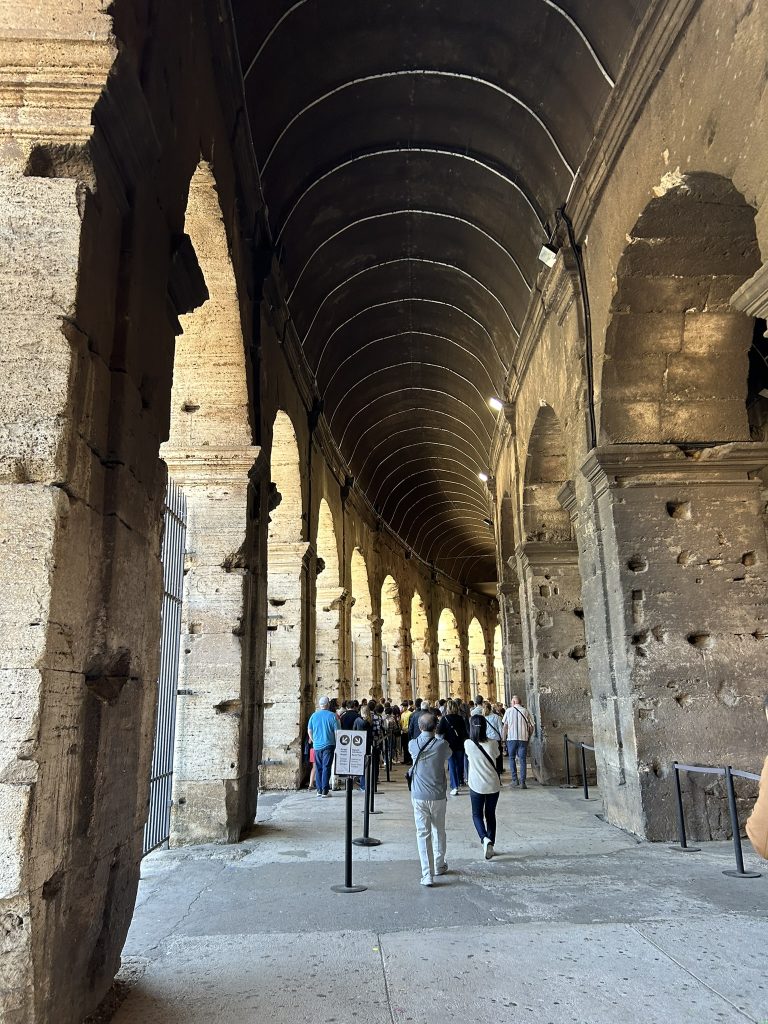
(365, 839)
(584, 772)
(567, 761)
(348, 887)
(388, 753)
(374, 779)
(739, 872)
(683, 847)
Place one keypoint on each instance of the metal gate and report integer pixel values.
(445, 678)
(158, 826)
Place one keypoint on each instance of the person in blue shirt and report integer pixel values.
(321, 729)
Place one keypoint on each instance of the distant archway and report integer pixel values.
(478, 661)
(499, 690)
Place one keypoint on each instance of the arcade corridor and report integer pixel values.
(375, 350)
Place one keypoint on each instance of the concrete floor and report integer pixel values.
(573, 921)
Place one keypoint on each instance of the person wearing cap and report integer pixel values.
(429, 797)
(321, 729)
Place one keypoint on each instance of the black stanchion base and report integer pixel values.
(363, 841)
(686, 849)
(566, 786)
(348, 888)
(732, 873)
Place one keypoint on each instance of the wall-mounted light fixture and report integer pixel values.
(483, 477)
(548, 255)
(495, 403)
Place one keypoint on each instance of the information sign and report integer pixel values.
(350, 752)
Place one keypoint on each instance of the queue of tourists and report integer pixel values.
(449, 746)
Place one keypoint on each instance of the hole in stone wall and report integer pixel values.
(679, 509)
(638, 563)
(702, 641)
(189, 407)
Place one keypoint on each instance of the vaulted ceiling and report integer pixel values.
(412, 155)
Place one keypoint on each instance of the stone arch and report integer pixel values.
(391, 640)
(328, 606)
(209, 455)
(546, 470)
(286, 679)
(677, 353)
(449, 654)
(421, 660)
(478, 662)
(556, 674)
(361, 627)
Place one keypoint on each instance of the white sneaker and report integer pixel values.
(427, 881)
(488, 848)
(454, 792)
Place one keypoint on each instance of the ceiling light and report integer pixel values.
(488, 522)
(496, 403)
(548, 255)
(483, 477)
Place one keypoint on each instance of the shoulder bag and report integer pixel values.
(412, 769)
(487, 757)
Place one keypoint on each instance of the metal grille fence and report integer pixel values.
(158, 826)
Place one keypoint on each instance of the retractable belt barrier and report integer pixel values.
(727, 772)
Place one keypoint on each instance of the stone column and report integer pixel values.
(513, 661)
(674, 568)
(558, 683)
(377, 660)
(329, 625)
(212, 761)
(287, 686)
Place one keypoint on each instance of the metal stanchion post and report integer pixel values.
(567, 761)
(365, 839)
(375, 766)
(684, 847)
(739, 872)
(388, 754)
(584, 772)
(348, 886)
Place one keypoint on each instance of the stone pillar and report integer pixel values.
(674, 568)
(329, 625)
(287, 687)
(212, 760)
(558, 683)
(513, 661)
(377, 661)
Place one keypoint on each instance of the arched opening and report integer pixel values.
(449, 655)
(391, 637)
(361, 628)
(285, 680)
(499, 690)
(557, 679)
(209, 455)
(478, 662)
(686, 541)
(421, 662)
(328, 604)
(677, 356)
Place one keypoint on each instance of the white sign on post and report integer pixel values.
(350, 752)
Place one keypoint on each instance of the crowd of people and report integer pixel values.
(467, 739)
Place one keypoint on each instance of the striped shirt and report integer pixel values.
(517, 719)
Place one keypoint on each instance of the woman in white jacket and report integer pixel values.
(483, 781)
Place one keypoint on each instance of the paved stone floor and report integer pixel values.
(573, 921)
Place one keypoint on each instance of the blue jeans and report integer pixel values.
(517, 749)
(323, 762)
(456, 768)
(484, 813)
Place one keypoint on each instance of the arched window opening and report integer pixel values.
(449, 655)
(327, 606)
(391, 636)
(478, 664)
(421, 669)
